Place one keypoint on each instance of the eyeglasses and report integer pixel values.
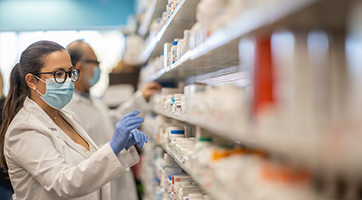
(60, 76)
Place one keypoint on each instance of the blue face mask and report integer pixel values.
(57, 95)
(96, 76)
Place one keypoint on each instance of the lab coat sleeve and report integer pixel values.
(135, 102)
(128, 158)
(36, 153)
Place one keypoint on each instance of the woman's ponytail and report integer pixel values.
(13, 103)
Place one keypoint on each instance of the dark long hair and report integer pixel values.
(31, 61)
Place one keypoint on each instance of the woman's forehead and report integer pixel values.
(57, 59)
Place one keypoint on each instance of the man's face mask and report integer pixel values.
(57, 95)
(96, 76)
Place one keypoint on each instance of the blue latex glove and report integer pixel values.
(123, 129)
(138, 137)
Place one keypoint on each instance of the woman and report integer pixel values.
(47, 153)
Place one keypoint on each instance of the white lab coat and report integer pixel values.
(44, 163)
(99, 122)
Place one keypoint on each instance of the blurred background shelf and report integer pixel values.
(182, 18)
(153, 12)
(283, 103)
(220, 50)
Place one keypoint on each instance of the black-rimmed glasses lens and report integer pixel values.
(60, 76)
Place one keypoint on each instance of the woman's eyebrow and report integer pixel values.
(56, 69)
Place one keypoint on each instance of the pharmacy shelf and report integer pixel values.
(222, 130)
(153, 12)
(215, 194)
(182, 18)
(191, 65)
(220, 50)
(310, 152)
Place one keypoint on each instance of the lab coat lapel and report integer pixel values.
(77, 127)
(44, 118)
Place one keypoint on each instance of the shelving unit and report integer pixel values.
(220, 49)
(219, 53)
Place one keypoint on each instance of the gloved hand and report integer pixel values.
(122, 131)
(138, 137)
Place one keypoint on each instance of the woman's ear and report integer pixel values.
(31, 81)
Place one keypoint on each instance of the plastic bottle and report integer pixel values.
(186, 40)
(162, 61)
(192, 40)
(180, 142)
(166, 52)
(199, 34)
(174, 132)
(175, 4)
(172, 107)
(177, 105)
(168, 103)
(202, 155)
(169, 7)
(190, 131)
(183, 105)
(173, 56)
(180, 49)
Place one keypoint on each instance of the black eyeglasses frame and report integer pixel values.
(69, 74)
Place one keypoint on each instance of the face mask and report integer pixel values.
(57, 95)
(96, 76)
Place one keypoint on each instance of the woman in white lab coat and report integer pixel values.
(47, 153)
